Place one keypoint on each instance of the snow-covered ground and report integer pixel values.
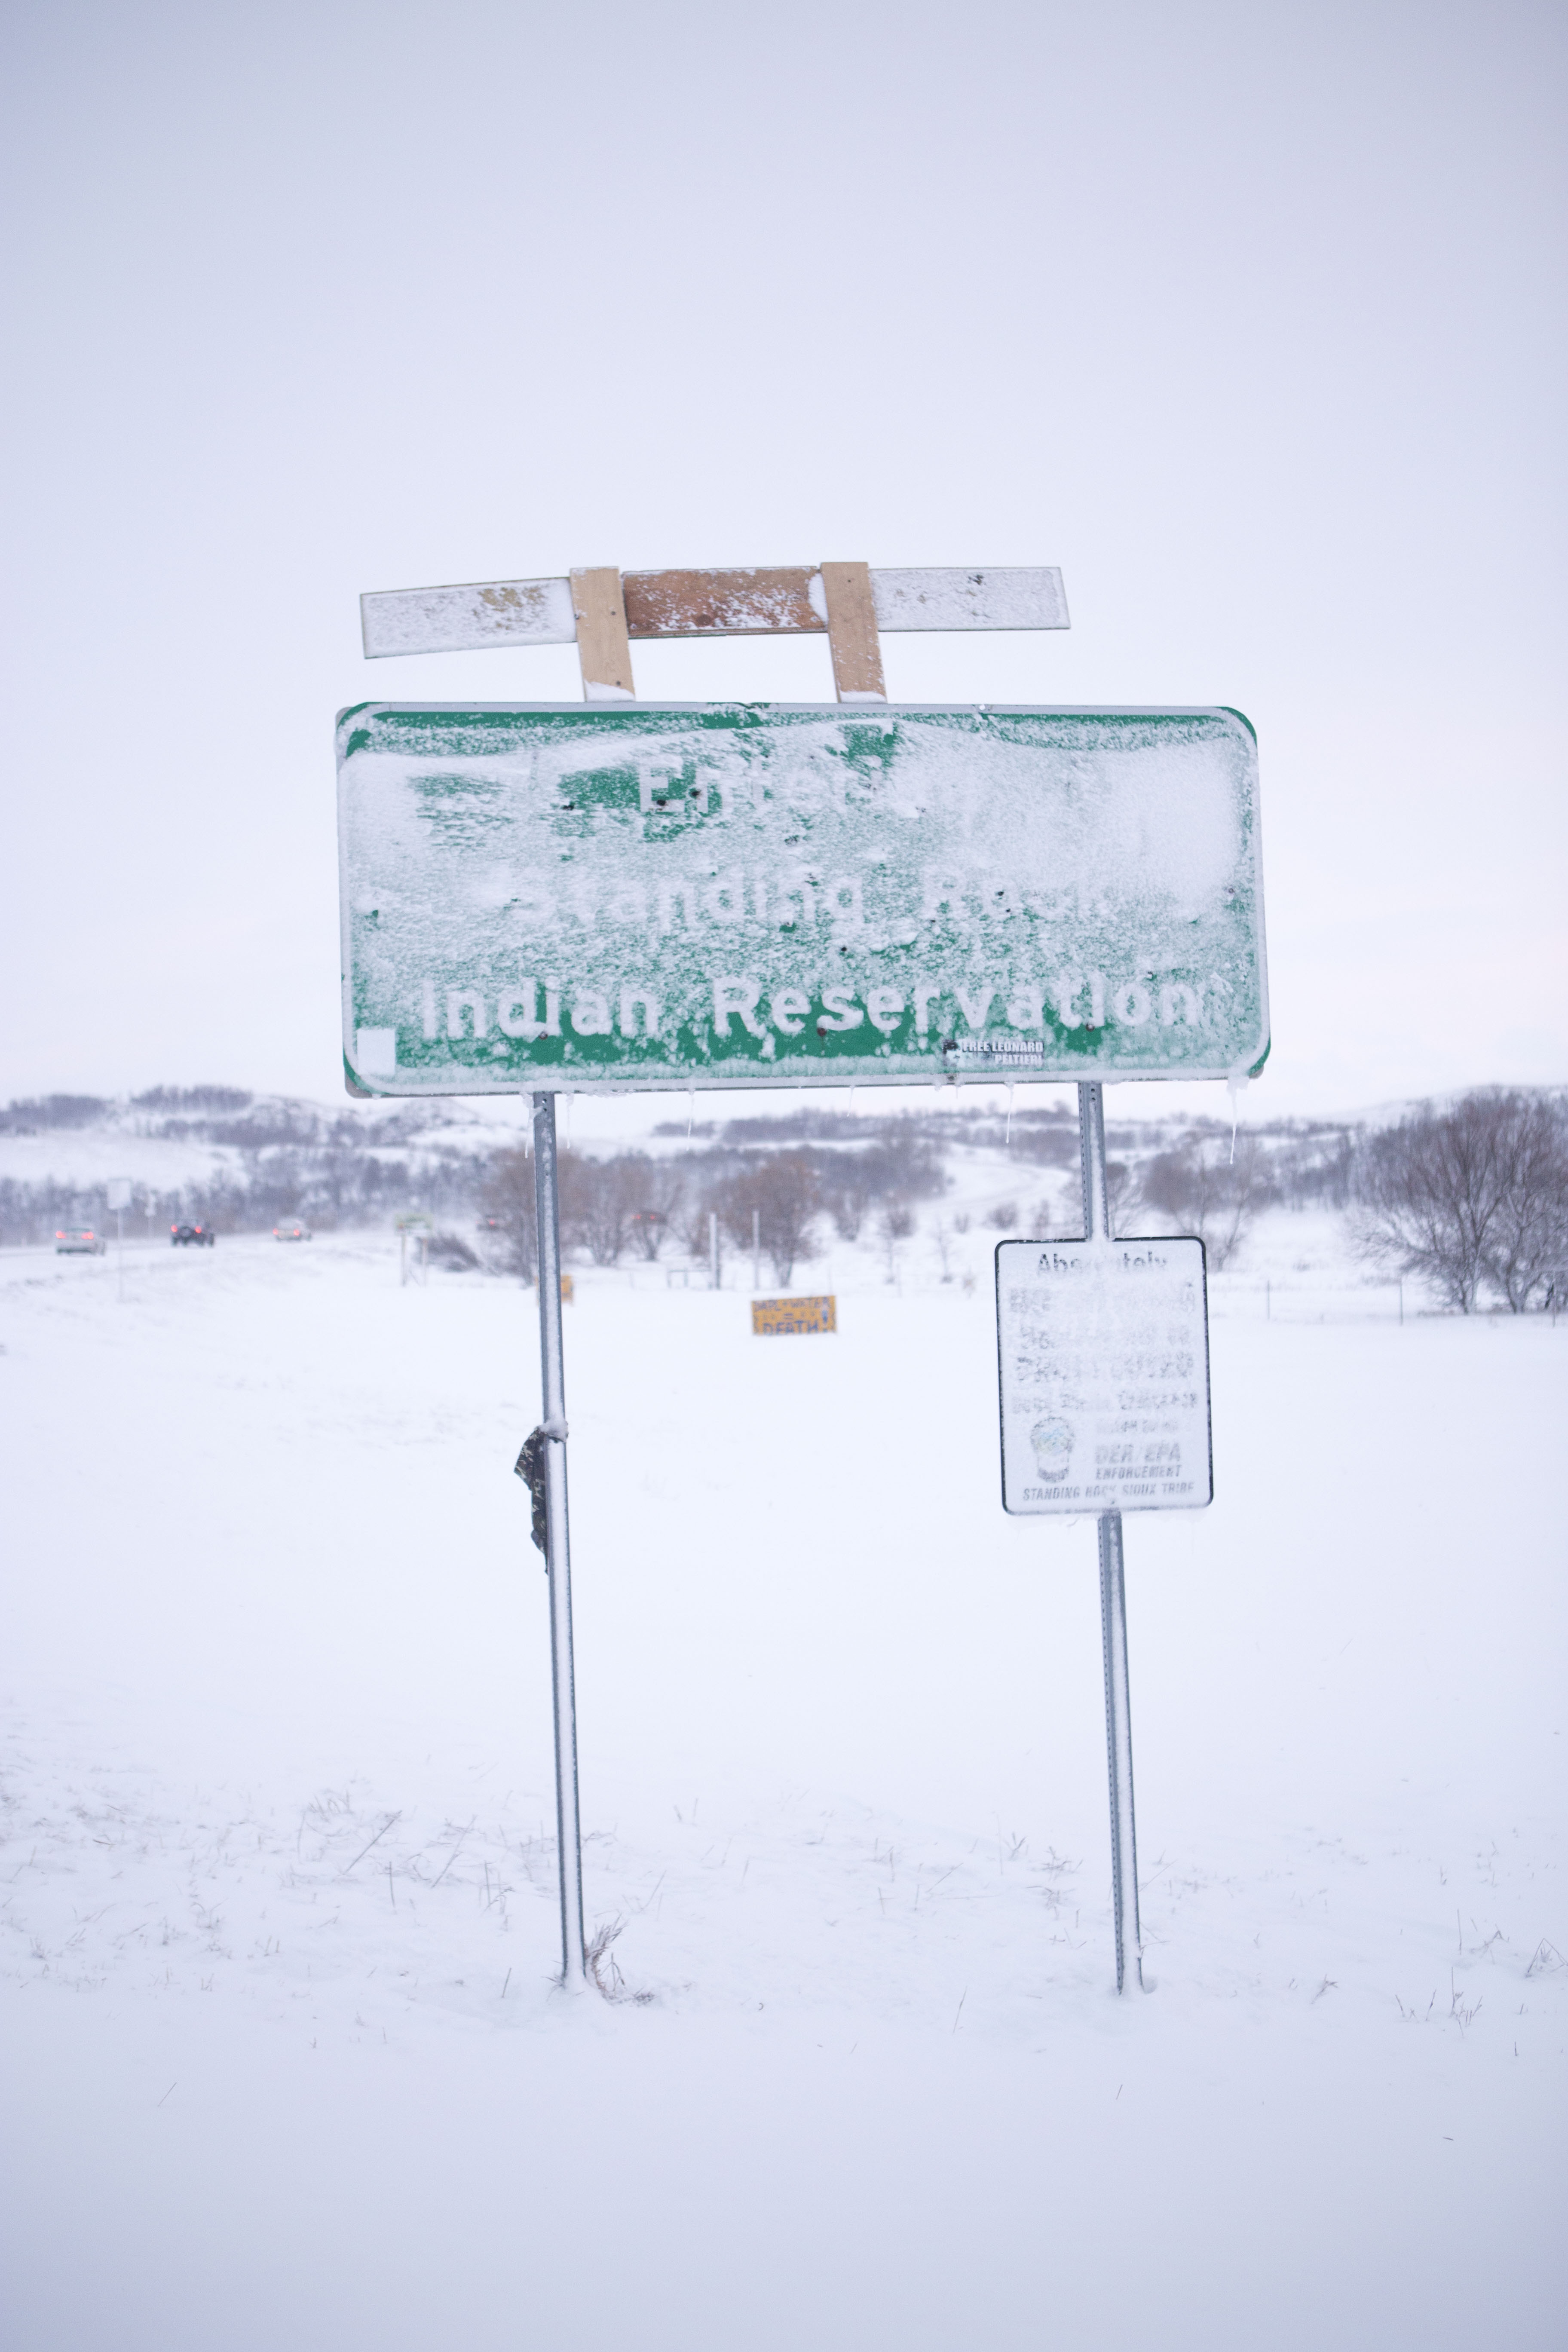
(283, 2061)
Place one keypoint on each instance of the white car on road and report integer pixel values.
(79, 1240)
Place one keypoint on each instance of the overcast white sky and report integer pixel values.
(1249, 317)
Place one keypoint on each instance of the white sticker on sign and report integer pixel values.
(1104, 1360)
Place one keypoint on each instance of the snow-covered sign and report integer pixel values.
(648, 895)
(1104, 1362)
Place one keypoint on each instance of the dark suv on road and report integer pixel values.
(201, 1236)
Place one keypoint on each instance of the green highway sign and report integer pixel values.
(643, 895)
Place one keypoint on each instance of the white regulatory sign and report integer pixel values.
(1104, 1354)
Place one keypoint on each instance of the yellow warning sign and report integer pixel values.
(777, 1319)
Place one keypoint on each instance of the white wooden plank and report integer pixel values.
(1034, 599)
(467, 619)
(540, 612)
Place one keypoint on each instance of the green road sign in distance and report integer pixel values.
(645, 896)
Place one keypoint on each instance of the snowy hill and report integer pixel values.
(240, 1160)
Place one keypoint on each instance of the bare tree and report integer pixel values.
(506, 1195)
(1428, 1196)
(895, 1224)
(1063, 1212)
(1215, 1190)
(1466, 1195)
(659, 1190)
(941, 1234)
(850, 1189)
(700, 1197)
(1045, 1218)
(598, 1201)
(1528, 1245)
(899, 1163)
(452, 1252)
(782, 1193)
(1123, 1194)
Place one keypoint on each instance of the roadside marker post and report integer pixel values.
(623, 897)
(118, 1195)
(414, 1222)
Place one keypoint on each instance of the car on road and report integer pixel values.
(79, 1240)
(291, 1229)
(184, 1236)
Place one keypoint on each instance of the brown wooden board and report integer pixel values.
(739, 603)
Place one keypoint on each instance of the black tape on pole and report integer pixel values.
(530, 1468)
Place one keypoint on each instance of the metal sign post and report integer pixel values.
(1102, 1356)
(623, 897)
(1112, 1597)
(551, 1431)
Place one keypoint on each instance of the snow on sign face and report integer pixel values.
(643, 896)
(1104, 1361)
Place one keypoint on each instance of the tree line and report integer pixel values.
(782, 1203)
(1468, 1197)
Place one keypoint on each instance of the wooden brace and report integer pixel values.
(852, 637)
(603, 649)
